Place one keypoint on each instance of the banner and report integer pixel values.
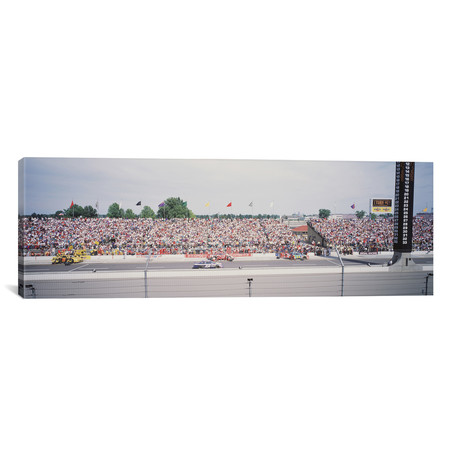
(381, 205)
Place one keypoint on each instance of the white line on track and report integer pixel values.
(333, 262)
(73, 269)
(76, 268)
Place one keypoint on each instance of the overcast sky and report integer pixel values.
(51, 184)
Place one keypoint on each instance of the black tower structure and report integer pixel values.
(403, 212)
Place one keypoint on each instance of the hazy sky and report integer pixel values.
(51, 184)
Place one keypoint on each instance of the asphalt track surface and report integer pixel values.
(158, 265)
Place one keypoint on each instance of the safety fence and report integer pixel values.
(334, 281)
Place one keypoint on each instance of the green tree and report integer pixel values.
(129, 214)
(147, 213)
(324, 213)
(360, 214)
(115, 211)
(89, 211)
(174, 208)
(75, 211)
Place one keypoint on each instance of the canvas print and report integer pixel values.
(155, 228)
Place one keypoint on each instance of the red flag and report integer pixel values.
(71, 204)
(229, 204)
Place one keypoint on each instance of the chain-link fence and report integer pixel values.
(340, 281)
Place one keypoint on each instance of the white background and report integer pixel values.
(248, 378)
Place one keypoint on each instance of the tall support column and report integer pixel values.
(403, 213)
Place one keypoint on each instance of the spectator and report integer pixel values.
(192, 236)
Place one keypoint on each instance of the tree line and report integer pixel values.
(325, 213)
(171, 208)
(238, 216)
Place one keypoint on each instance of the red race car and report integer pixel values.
(221, 257)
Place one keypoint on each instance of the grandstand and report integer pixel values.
(45, 236)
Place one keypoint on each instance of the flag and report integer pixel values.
(271, 204)
(71, 204)
(352, 206)
(251, 204)
(97, 204)
(184, 204)
(229, 205)
(138, 203)
(207, 204)
(161, 205)
(425, 210)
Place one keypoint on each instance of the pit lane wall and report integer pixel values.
(45, 260)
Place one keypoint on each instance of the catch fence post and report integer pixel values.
(250, 280)
(343, 269)
(145, 272)
(426, 282)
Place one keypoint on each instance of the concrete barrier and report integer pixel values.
(45, 260)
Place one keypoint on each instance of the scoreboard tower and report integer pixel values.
(403, 213)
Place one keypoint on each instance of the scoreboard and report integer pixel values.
(382, 205)
(404, 206)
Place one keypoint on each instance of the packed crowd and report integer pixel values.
(191, 236)
(138, 236)
(367, 234)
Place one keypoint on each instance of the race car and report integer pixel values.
(292, 256)
(207, 264)
(57, 259)
(298, 256)
(72, 259)
(222, 257)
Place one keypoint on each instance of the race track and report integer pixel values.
(319, 276)
(159, 264)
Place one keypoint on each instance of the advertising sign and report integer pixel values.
(404, 206)
(381, 205)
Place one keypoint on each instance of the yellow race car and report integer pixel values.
(69, 258)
